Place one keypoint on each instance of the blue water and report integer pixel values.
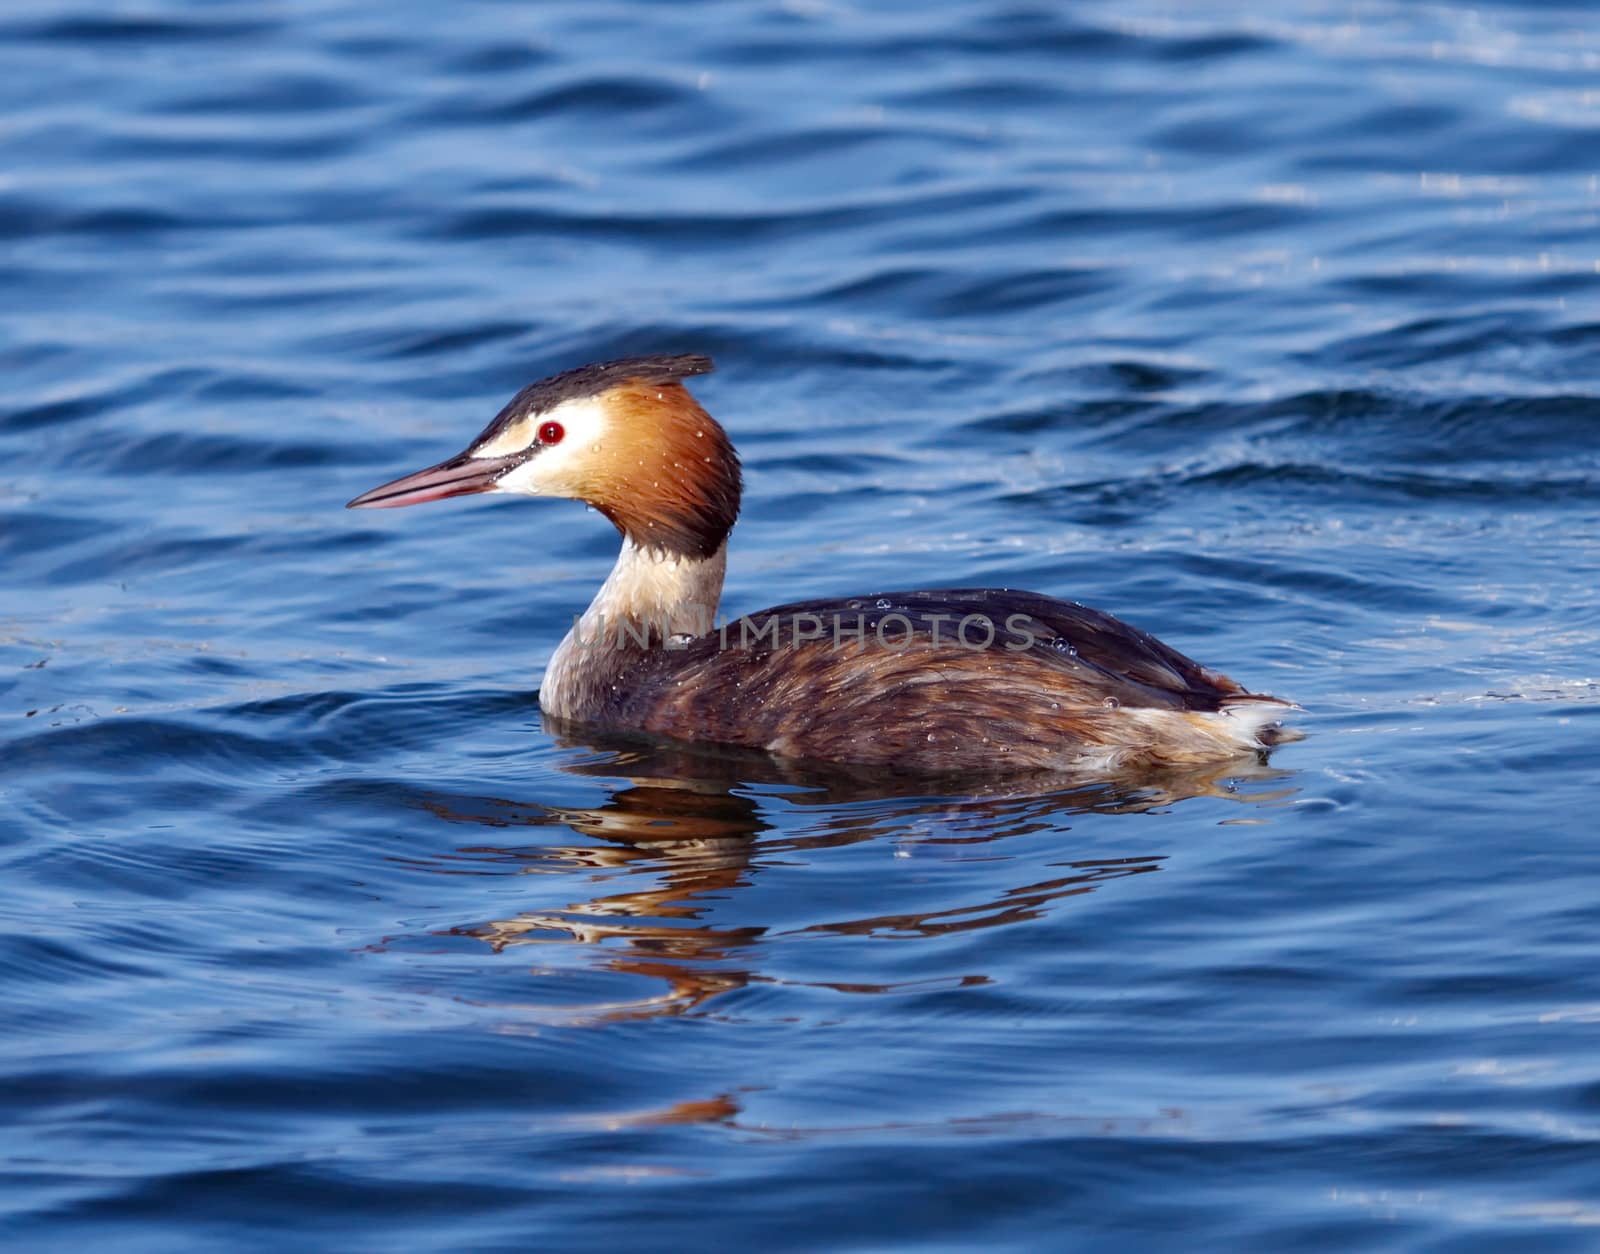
(1272, 328)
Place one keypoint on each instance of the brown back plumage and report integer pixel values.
(1084, 685)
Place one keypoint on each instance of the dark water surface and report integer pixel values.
(1273, 331)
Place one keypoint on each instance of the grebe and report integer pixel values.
(954, 679)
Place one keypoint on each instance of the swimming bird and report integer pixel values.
(944, 680)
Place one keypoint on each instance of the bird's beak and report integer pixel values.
(462, 475)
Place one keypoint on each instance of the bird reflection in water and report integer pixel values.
(696, 822)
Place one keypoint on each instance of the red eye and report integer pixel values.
(551, 433)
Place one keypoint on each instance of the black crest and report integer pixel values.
(592, 380)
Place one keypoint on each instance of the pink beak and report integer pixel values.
(460, 476)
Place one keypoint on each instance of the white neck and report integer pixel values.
(649, 598)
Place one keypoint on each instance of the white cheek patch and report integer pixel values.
(521, 479)
(583, 423)
(513, 439)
